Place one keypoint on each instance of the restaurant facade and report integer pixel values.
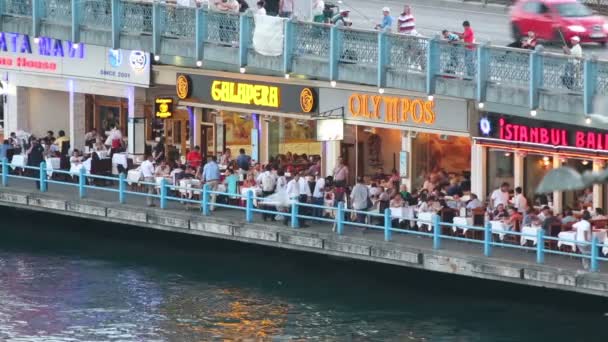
(52, 84)
(412, 134)
(265, 119)
(521, 151)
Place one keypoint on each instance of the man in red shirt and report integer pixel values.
(194, 157)
(468, 36)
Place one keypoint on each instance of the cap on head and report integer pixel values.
(575, 39)
(386, 9)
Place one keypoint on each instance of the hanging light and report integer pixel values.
(533, 112)
(585, 162)
(545, 158)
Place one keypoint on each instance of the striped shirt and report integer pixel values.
(407, 24)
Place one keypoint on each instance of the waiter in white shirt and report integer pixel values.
(305, 196)
(293, 193)
(519, 201)
(147, 171)
(500, 196)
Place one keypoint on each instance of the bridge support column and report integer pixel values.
(478, 170)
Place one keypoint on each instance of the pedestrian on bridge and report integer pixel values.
(387, 21)
(406, 23)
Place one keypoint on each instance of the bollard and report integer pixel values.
(387, 224)
(205, 200)
(4, 172)
(487, 238)
(594, 251)
(42, 177)
(249, 207)
(82, 191)
(340, 218)
(540, 246)
(163, 193)
(436, 232)
(294, 213)
(121, 188)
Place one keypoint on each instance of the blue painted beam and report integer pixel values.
(157, 12)
(36, 17)
(288, 46)
(483, 62)
(244, 38)
(536, 78)
(383, 58)
(432, 63)
(589, 84)
(335, 46)
(116, 9)
(76, 5)
(200, 34)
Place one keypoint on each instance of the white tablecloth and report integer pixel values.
(403, 213)
(19, 160)
(256, 191)
(461, 222)
(499, 228)
(605, 248)
(134, 176)
(52, 164)
(426, 218)
(600, 234)
(118, 159)
(189, 187)
(532, 231)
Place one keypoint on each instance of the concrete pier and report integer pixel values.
(458, 258)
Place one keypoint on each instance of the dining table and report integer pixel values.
(568, 238)
(19, 160)
(462, 223)
(52, 163)
(529, 233)
(426, 218)
(498, 227)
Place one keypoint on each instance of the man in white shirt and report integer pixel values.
(293, 194)
(519, 201)
(318, 196)
(147, 171)
(267, 182)
(583, 234)
(305, 196)
(359, 197)
(500, 196)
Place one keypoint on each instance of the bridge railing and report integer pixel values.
(315, 50)
(293, 213)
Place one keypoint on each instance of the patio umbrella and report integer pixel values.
(563, 179)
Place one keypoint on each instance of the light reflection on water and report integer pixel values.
(114, 284)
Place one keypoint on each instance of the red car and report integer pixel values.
(558, 21)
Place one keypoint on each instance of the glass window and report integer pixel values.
(573, 10)
(433, 152)
(500, 169)
(531, 7)
(535, 168)
(109, 117)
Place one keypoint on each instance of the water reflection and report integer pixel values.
(114, 284)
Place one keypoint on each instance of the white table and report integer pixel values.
(605, 249)
(402, 213)
(461, 222)
(134, 176)
(426, 218)
(532, 233)
(600, 234)
(118, 159)
(189, 187)
(256, 191)
(498, 227)
(51, 165)
(19, 160)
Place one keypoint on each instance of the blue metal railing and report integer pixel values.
(331, 53)
(381, 222)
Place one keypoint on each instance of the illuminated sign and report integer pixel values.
(536, 132)
(307, 100)
(163, 107)
(330, 129)
(391, 109)
(246, 93)
(183, 87)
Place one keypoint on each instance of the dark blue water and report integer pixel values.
(65, 279)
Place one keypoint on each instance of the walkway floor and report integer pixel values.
(67, 192)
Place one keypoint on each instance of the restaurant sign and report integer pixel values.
(247, 94)
(539, 132)
(44, 55)
(163, 107)
(397, 110)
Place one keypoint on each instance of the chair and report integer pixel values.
(554, 230)
(513, 238)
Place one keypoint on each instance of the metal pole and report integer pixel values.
(540, 246)
(294, 213)
(387, 224)
(205, 200)
(4, 172)
(249, 207)
(340, 218)
(42, 177)
(121, 188)
(81, 182)
(594, 263)
(436, 232)
(487, 238)
(163, 193)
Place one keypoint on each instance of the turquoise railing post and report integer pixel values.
(589, 84)
(163, 193)
(383, 59)
(288, 46)
(37, 11)
(205, 200)
(4, 172)
(436, 232)
(483, 62)
(387, 224)
(335, 46)
(487, 239)
(594, 252)
(200, 33)
(536, 78)
(115, 6)
(121, 188)
(42, 177)
(294, 213)
(244, 38)
(157, 12)
(340, 218)
(249, 207)
(432, 64)
(540, 246)
(76, 5)
(82, 191)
